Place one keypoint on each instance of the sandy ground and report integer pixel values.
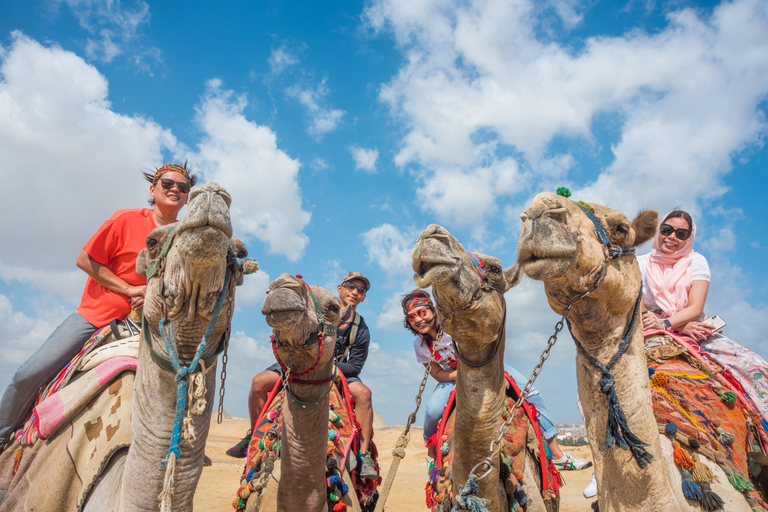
(220, 481)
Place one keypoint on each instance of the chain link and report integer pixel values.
(224, 358)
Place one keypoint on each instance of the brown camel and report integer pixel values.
(290, 309)
(560, 246)
(475, 311)
(186, 280)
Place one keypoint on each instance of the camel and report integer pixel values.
(192, 267)
(560, 246)
(474, 311)
(305, 340)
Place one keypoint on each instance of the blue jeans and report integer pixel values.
(433, 411)
(60, 347)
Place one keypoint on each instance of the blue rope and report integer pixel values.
(617, 430)
(182, 372)
(467, 498)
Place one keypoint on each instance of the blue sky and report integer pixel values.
(343, 129)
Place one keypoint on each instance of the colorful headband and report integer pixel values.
(417, 302)
(169, 168)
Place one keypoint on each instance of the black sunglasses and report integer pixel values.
(168, 184)
(352, 286)
(681, 234)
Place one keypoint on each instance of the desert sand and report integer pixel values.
(220, 481)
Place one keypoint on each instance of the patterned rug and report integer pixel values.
(343, 442)
(524, 432)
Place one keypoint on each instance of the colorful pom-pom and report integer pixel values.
(651, 371)
(272, 415)
(670, 429)
(563, 191)
(727, 397)
(659, 380)
(332, 434)
(694, 443)
(340, 507)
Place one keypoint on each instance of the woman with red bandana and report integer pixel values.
(112, 290)
(421, 319)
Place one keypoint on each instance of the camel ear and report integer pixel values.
(142, 263)
(513, 276)
(645, 226)
(347, 314)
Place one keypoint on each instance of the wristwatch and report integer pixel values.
(666, 323)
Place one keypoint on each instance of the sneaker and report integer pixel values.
(367, 469)
(591, 489)
(240, 450)
(569, 462)
(207, 461)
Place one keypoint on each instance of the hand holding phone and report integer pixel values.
(715, 321)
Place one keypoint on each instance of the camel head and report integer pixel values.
(561, 246)
(291, 310)
(187, 265)
(474, 303)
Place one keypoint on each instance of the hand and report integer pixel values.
(136, 296)
(651, 321)
(698, 331)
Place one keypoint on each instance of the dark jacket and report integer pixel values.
(353, 364)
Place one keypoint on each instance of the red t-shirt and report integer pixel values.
(116, 244)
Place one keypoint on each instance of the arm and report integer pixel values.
(358, 353)
(685, 320)
(106, 278)
(440, 374)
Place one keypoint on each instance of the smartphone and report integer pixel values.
(715, 321)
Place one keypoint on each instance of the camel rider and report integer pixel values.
(112, 290)
(352, 342)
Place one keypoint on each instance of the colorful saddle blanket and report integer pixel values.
(513, 453)
(692, 394)
(343, 444)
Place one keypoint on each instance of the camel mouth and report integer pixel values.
(428, 272)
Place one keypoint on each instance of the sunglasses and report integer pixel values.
(168, 184)
(681, 234)
(419, 313)
(352, 286)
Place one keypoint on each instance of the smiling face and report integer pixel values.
(352, 293)
(670, 244)
(169, 201)
(422, 320)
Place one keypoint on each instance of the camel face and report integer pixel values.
(194, 269)
(290, 310)
(560, 246)
(440, 261)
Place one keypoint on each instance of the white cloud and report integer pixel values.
(253, 290)
(243, 157)
(69, 160)
(390, 248)
(479, 83)
(365, 159)
(119, 29)
(280, 60)
(324, 118)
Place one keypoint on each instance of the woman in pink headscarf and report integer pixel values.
(675, 286)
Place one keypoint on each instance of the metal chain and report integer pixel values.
(224, 359)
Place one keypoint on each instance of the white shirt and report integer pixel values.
(444, 348)
(699, 272)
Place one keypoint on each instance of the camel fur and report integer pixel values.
(474, 316)
(184, 291)
(559, 246)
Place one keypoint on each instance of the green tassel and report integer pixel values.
(738, 481)
(563, 191)
(728, 397)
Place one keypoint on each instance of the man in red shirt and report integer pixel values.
(112, 290)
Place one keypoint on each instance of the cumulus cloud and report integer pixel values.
(243, 157)
(324, 118)
(280, 60)
(480, 85)
(365, 159)
(70, 160)
(390, 247)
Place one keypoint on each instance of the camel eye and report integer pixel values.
(242, 254)
(333, 309)
(622, 229)
(151, 243)
(495, 269)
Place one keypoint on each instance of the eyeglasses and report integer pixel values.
(681, 234)
(168, 184)
(352, 286)
(419, 313)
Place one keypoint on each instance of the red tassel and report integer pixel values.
(340, 507)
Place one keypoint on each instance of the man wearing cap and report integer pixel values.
(352, 342)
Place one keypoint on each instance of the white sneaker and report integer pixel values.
(570, 462)
(591, 490)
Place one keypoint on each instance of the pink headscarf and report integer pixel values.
(670, 287)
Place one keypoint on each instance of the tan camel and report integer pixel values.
(290, 309)
(476, 311)
(559, 245)
(190, 276)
